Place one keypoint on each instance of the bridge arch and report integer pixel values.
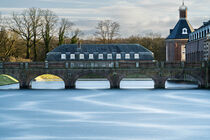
(77, 79)
(196, 79)
(142, 80)
(34, 77)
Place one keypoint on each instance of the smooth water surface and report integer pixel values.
(90, 113)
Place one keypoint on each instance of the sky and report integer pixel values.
(136, 17)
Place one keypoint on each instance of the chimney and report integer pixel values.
(79, 46)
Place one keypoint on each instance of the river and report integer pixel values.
(94, 112)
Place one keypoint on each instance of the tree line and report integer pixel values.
(31, 34)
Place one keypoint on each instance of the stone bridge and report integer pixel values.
(114, 71)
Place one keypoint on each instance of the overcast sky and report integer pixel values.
(136, 17)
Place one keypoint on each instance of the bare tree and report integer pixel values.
(7, 44)
(64, 29)
(1, 21)
(48, 28)
(35, 17)
(107, 30)
(22, 25)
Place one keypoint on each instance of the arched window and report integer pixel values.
(184, 31)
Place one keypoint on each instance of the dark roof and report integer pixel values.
(176, 33)
(100, 48)
(96, 49)
(204, 25)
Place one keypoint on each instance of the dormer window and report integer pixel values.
(63, 56)
(184, 31)
(109, 56)
(81, 56)
(136, 56)
(72, 56)
(91, 56)
(100, 56)
(118, 56)
(127, 56)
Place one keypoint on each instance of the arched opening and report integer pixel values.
(92, 81)
(8, 82)
(182, 82)
(47, 81)
(137, 81)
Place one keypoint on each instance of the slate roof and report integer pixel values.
(101, 48)
(177, 31)
(96, 49)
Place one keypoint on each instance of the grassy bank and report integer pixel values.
(7, 80)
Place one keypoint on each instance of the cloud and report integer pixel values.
(134, 16)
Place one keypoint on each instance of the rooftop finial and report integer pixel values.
(183, 10)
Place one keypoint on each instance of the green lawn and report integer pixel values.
(7, 80)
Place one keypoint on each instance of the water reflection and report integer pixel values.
(125, 84)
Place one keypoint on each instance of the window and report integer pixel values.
(127, 56)
(118, 56)
(184, 31)
(109, 56)
(183, 53)
(81, 56)
(136, 56)
(91, 56)
(63, 56)
(72, 56)
(100, 56)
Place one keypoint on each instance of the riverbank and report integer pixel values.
(7, 80)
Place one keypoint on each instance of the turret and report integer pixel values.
(183, 11)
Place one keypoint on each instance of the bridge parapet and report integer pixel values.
(98, 64)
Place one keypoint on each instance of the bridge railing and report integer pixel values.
(99, 64)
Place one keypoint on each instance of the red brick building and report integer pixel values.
(175, 42)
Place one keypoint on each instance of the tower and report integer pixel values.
(175, 42)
